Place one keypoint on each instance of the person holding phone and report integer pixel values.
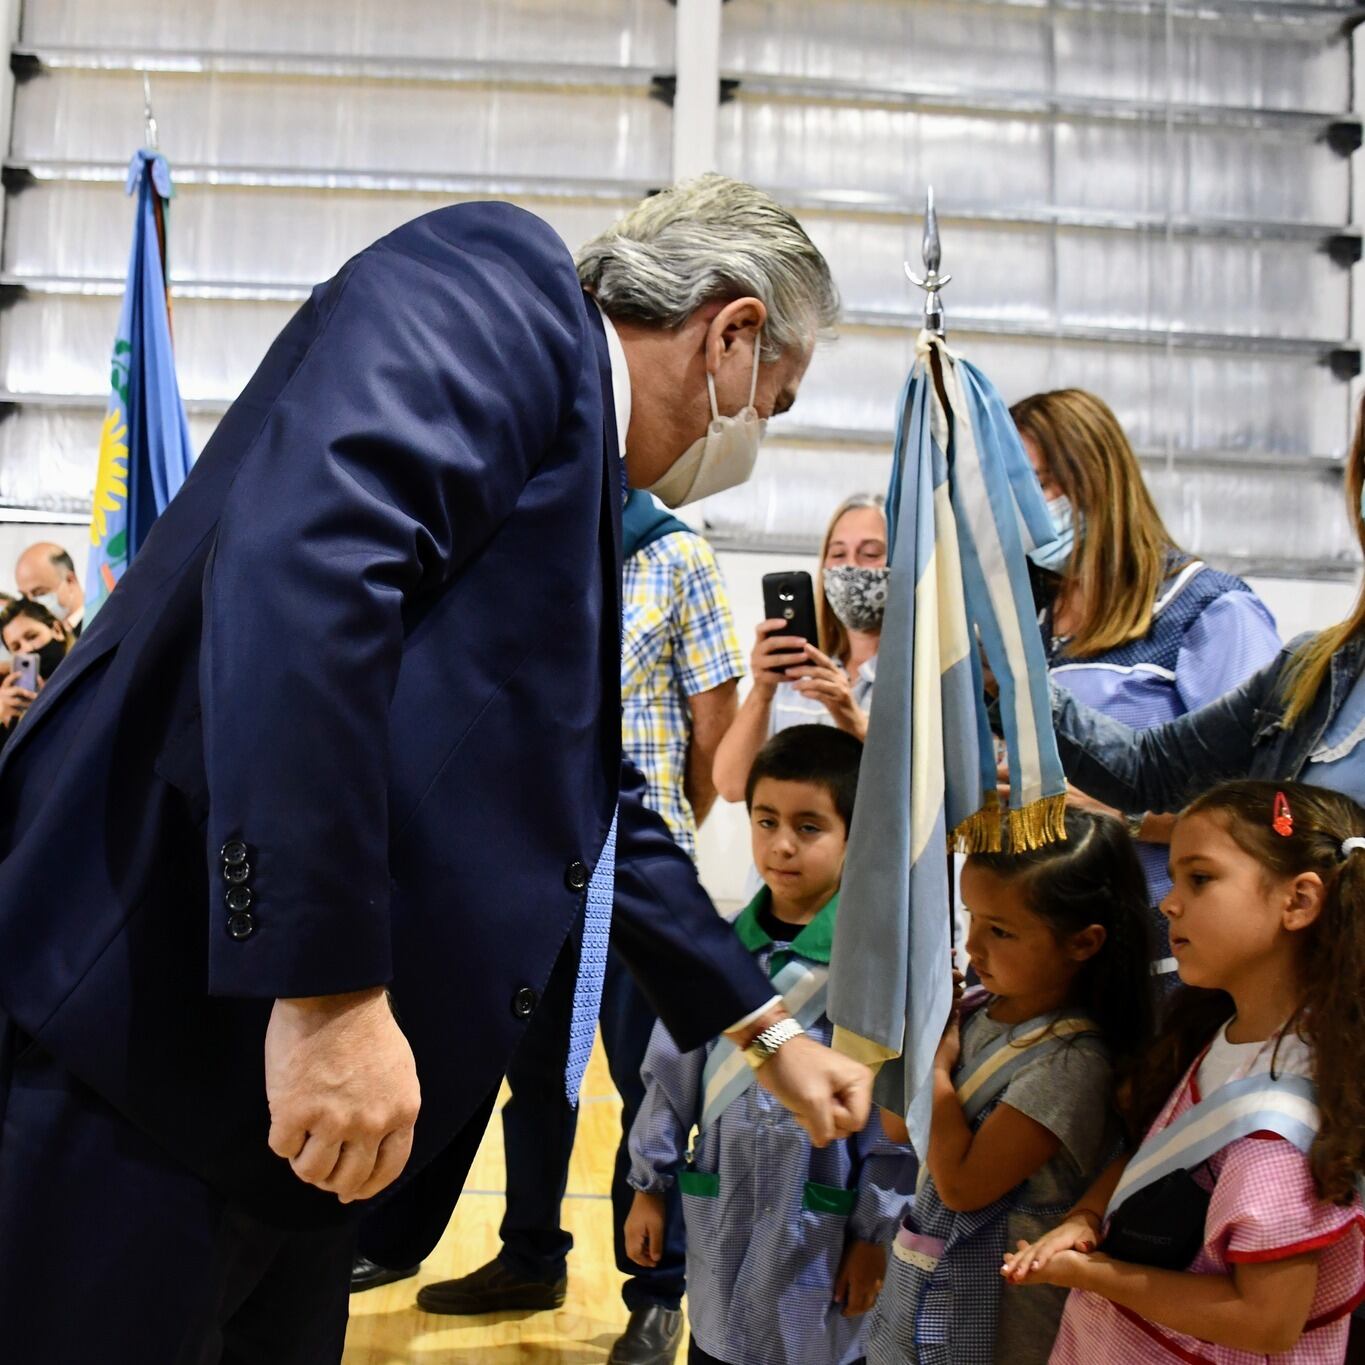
(796, 682)
(39, 642)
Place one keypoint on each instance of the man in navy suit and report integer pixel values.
(347, 813)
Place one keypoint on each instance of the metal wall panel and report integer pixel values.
(1225, 518)
(1035, 274)
(1014, 164)
(633, 32)
(298, 133)
(417, 127)
(1150, 202)
(235, 236)
(1279, 407)
(953, 45)
(47, 456)
(1137, 199)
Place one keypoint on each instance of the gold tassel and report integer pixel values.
(979, 833)
(1040, 822)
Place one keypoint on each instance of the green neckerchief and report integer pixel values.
(813, 942)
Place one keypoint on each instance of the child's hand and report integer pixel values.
(1065, 1269)
(949, 1046)
(893, 1125)
(1029, 1264)
(859, 1280)
(645, 1229)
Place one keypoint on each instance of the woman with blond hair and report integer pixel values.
(1301, 718)
(1133, 625)
(795, 683)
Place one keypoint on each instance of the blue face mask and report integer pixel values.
(1055, 555)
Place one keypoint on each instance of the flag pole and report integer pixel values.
(935, 323)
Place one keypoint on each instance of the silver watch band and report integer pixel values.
(766, 1044)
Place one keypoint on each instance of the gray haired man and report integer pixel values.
(423, 822)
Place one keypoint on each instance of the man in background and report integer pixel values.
(46, 573)
(680, 668)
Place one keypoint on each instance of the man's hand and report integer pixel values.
(644, 1230)
(343, 1092)
(829, 1095)
(859, 1280)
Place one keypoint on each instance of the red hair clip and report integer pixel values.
(1283, 821)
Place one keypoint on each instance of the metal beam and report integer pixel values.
(696, 102)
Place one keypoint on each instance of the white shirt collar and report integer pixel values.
(620, 380)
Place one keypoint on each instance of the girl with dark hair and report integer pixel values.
(1023, 1092)
(1235, 1227)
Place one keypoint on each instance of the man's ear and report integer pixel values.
(737, 319)
(1085, 943)
(1306, 897)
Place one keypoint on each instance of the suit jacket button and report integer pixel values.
(237, 873)
(234, 852)
(238, 899)
(241, 925)
(576, 876)
(524, 1003)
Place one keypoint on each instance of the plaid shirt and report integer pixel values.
(678, 641)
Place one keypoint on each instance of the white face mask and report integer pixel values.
(52, 602)
(721, 459)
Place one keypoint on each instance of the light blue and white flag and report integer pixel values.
(963, 508)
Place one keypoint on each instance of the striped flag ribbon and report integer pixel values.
(963, 509)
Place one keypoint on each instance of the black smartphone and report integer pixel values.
(790, 597)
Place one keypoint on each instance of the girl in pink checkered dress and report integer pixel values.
(1233, 1233)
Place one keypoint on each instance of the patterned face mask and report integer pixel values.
(857, 596)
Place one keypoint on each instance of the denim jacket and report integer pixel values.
(1241, 734)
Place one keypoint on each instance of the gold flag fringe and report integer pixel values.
(979, 833)
(1040, 822)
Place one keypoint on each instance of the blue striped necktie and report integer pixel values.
(592, 963)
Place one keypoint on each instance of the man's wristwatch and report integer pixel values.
(1133, 824)
(766, 1044)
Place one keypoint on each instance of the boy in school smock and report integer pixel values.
(786, 1243)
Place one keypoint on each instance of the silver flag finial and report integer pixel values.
(931, 281)
(148, 118)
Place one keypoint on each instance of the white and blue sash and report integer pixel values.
(1005, 1058)
(804, 988)
(1283, 1105)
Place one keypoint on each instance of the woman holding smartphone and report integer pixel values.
(794, 683)
(27, 628)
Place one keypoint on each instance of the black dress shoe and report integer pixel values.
(651, 1337)
(492, 1288)
(365, 1274)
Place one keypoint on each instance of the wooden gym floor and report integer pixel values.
(387, 1329)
